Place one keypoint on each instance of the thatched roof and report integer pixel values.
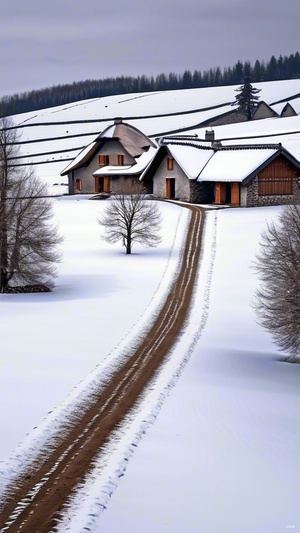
(132, 140)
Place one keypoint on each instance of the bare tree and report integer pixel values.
(28, 243)
(277, 302)
(132, 217)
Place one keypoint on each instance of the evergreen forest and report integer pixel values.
(281, 68)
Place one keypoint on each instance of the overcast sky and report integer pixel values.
(61, 41)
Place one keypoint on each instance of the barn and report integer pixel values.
(210, 172)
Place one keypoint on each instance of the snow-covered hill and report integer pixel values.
(52, 137)
(223, 453)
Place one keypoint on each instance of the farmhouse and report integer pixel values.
(186, 168)
(263, 110)
(190, 170)
(119, 153)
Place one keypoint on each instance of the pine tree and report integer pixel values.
(246, 98)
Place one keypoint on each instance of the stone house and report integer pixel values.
(239, 175)
(119, 154)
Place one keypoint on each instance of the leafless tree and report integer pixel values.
(277, 302)
(131, 217)
(28, 242)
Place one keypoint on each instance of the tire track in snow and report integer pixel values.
(36, 503)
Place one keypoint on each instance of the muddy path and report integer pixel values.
(37, 499)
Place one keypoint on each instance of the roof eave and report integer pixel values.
(281, 151)
(87, 157)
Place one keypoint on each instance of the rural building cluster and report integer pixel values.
(186, 168)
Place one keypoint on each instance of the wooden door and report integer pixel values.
(235, 194)
(170, 187)
(106, 184)
(220, 193)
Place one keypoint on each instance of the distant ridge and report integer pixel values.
(51, 137)
(282, 68)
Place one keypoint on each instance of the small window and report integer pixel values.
(170, 163)
(120, 159)
(79, 184)
(103, 160)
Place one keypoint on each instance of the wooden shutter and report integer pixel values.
(235, 194)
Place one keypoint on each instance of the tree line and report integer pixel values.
(281, 68)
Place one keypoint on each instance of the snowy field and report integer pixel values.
(221, 421)
(55, 134)
(222, 453)
(51, 341)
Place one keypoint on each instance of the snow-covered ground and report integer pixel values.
(68, 128)
(52, 341)
(222, 453)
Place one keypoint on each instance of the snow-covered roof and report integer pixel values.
(80, 158)
(141, 164)
(236, 164)
(214, 161)
(190, 158)
(133, 140)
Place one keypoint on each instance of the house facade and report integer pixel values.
(237, 175)
(185, 168)
(119, 154)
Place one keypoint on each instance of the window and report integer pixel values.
(103, 160)
(170, 163)
(120, 159)
(79, 184)
(273, 186)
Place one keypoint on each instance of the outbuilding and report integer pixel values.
(239, 175)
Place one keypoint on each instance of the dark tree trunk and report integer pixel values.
(128, 246)
(3, 243)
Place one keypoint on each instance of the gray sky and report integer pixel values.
(61, 41)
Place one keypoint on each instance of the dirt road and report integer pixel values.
(36, 501)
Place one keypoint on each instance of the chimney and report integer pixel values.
(210, 135)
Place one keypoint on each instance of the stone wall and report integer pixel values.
(123, 184)
(254, 200)
(202, 192)
(230, 118)
(182, 183)
(111, 148)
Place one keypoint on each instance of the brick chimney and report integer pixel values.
(210, 135)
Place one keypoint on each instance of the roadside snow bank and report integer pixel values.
(45, 436)
(92, 496)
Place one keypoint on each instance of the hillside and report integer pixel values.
(281, 68)
(52, 137)
(222, 434)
